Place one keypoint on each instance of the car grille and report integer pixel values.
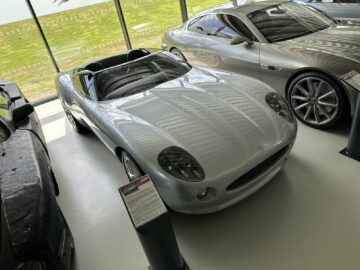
(258, 170)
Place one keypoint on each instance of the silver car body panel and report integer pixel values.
(220, 117)
(341, 11)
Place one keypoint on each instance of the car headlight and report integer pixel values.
(280, 106)
(180, 164)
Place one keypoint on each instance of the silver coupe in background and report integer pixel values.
(339, 9)
(207, 138)
(301, 52)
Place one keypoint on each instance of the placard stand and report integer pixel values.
(152, 223)
(353, 148)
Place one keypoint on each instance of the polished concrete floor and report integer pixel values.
(307, 218)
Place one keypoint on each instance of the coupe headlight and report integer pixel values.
(280, 106)
(181, 164)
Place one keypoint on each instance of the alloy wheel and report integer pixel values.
(315, 101)
(131, 168)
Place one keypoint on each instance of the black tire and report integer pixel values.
(178, 53)
(317, 100)
(132, 169)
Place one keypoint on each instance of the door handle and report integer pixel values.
(270, 67)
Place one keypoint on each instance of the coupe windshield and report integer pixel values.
(139, 75)
(289, 20)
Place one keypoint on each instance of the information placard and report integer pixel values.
(142, 201)
(352, 78)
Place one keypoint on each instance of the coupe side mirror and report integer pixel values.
(240, 39)
(21, 112)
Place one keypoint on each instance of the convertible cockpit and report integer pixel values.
(130, 73)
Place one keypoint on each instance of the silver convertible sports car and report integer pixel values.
(299, 51)
(207, 138)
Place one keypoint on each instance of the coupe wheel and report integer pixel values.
(132, 170)
(178, 54)
(317, 100)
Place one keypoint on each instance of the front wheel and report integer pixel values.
(79, 128)
(317, 100)
(132, 170)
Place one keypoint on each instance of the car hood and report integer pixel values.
(341, 41)
(222, 119)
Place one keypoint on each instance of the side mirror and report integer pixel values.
(21, 112)
(237, 40)
(240, 39)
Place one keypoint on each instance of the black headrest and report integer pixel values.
(95, 66)
(136, 54)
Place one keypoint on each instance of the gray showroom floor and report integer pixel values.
(308, 217)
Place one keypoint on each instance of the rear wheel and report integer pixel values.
(178, 54)
(317, 100)
(132, 170)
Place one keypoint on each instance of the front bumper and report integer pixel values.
(225, 199)
(182, 196)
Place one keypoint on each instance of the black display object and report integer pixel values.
(353, 147)
(152, 223)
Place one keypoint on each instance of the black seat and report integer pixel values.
(109, 81)
(136, 54)
(137, 86)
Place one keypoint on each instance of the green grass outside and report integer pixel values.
(80, 35)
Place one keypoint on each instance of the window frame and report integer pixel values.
(202, 15)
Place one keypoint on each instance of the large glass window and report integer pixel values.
(79, 31)
(148, 20)
(195, 6)
(24, 58)
(82, 31)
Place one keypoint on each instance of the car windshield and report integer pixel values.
(139, 75)
(289, 20)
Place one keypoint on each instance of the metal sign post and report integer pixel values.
(353, 148)
(152, 223)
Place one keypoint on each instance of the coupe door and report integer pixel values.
(217, 51)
